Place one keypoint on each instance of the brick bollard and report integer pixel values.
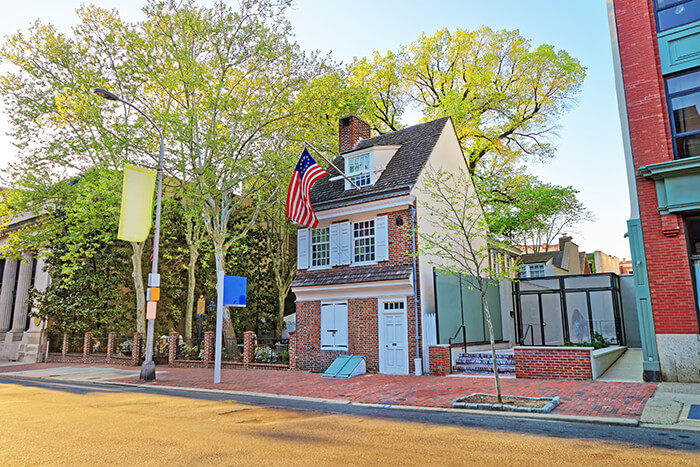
(136, 349)
(64, 347)
(111, 343)
(87, 345)
(292, 349)
(248, 346)
(173, 341)
(208, 346)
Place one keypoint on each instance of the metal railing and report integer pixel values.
(532, 335)
(187, 350)
(462, 328)
(271, 350)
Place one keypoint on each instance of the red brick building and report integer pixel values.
(360, 288)
(656, 49)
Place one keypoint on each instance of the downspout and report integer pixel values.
(418, 361)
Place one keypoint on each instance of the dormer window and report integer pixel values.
(358, 169)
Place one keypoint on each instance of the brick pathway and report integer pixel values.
(589, 398)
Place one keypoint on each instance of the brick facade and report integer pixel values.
(668, 267)
(363, 318)
(553, 363)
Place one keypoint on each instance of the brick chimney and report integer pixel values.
(350, 130)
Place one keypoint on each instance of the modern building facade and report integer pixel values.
(656, 53)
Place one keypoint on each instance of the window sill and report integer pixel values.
(365, 263)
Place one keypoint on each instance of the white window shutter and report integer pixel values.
(345, 242)
(341, 323)
(303, 249)
(381, 238)
(327, 318)
(335, 244)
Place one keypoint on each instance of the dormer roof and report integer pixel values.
(416, 144)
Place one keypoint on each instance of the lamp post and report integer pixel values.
(148, 369)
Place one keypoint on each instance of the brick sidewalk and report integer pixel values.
(587, 398)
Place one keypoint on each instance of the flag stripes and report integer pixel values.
(306, 173)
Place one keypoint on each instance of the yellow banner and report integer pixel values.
(137, 203)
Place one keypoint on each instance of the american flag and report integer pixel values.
(298, 202)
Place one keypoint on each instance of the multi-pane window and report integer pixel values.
(673, 13)
(363, 241)
(684, 100)
(532, 270)
(358, 170)
(320, 247)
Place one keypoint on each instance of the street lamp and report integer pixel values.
(148, 369)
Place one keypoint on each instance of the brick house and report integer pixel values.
(359, 288)
(657, 65)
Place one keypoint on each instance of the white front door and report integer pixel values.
(393, 337)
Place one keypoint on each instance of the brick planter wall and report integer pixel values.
(553, 362)
(439, 356)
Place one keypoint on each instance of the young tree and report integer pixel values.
(458, 239)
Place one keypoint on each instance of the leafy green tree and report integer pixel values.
(87, 265)
(503, 95)
(528, 212)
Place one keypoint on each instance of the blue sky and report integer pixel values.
(589, 147)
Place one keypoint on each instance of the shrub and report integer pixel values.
(599, 342)
(264, 354)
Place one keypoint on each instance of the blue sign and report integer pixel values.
(235, 289)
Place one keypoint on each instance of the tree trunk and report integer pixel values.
(493, 346)
(281, 298)
(191, 282)
(229, 334)
(137, 275)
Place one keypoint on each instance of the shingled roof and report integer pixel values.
(417, 143)
(343, 276)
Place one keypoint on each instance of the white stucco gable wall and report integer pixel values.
(446, 155)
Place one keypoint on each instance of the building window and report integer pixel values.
(529, 271)
(673, 13)
(363, 241)
(684, 100)
(358, 170)
(320, 247)
(334, 326)
(693, 227)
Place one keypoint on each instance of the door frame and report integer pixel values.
(380, 322)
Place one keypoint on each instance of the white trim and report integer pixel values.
(379, 206)
(379, 289)
(380, 324)
(357, 152)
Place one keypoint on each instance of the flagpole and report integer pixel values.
(332, 164)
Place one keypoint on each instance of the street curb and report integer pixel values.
(619, 421)
(676, 427)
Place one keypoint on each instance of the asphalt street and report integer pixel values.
(633, 436)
